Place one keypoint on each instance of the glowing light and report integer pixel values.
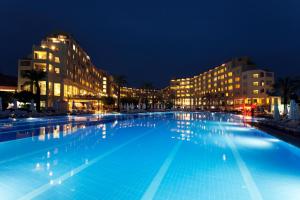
(224, 157)
(253, 142)
(37, 166)
(237, 129)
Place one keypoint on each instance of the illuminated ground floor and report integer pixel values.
(241, 104)
(84, 103)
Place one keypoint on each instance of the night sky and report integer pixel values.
(153, 41)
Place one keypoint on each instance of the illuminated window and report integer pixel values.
(255, 83)
(237, 79)
(42, 55)
(229, 73)
(26, 87)
(255, 76)
(43, 104)
(75, 90)
(40, 66)
(237, 86)
(230, 87)
(50, 56)
(255, 92)
(43, 87)
(56, 59)
(56, 89)
(50, 68)
(57, 70)
(230, 80)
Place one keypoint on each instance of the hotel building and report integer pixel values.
(71, 76)
(234, 85)
(152, 95)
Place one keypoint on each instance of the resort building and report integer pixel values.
(235, 85)
(71, 78)
(151, 95)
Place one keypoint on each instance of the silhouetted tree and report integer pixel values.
(120, 80)
(34, 76)
(286, 88)
(108, 101)
(24, 96)
(6, 98)
(148, 86)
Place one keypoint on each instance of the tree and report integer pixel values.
(208, 99)
(129, 100)
(170, 102)
(148, 86)
(24, 96)
(120, 80)
(219, 100)
(34, 76)
(108, 101)
(6, 98)
(286, 88)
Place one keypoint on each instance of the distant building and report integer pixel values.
(152, 95)
(234, 85)
(71, 75)
(8, 83)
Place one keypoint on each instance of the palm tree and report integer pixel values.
(120, 80)
(148, 86)
(34, 77)
(208, 99)
(286, 88)
(108, 101)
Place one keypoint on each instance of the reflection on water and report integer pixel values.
(61, 142)
(23, 128)
(204, 127)
(60, 148)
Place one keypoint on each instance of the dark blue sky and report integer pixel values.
(157, 40)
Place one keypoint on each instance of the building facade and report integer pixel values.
(235, 85)
(71, 75)
(141, 95)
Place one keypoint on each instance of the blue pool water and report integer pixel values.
(145, 156)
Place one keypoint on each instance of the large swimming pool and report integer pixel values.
(145, 156)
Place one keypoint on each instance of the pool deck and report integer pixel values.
(281, 134)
